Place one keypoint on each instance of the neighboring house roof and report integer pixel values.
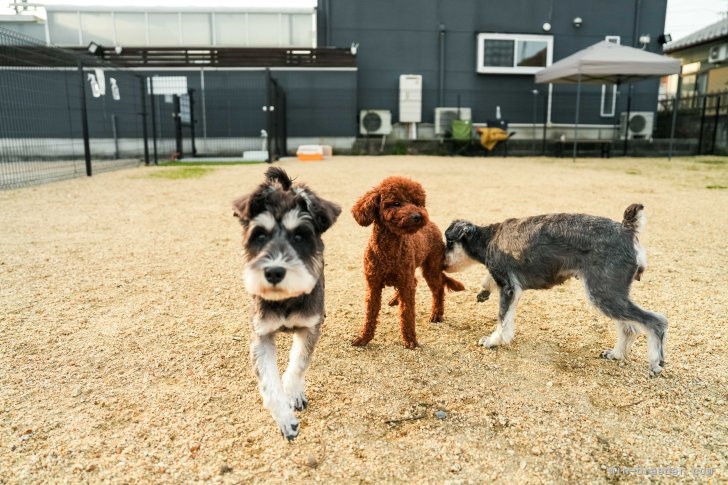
(712, 32)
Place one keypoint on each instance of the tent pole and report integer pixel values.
(576, 123)
(675, 107)
(626, 121)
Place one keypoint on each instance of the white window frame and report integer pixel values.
(481, 68)
(602, 111)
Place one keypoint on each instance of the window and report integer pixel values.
(163, 29)
(609, 96)
(513, 53)
(131, 29)
(609, 101)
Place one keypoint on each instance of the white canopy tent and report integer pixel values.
(608, 63)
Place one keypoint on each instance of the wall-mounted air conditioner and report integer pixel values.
(640, 124)
(375, 122)
(445, 116)
(718, 53)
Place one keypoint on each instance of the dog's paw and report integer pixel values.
(437, 318)
(360, 341)
(610, 354)
(298, 401)
(410, 344)
(488, 342)
(289, 428)
(656, 368)
(395, 300)
(295, 392)
(482, 296)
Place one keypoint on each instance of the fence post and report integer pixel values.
(142, 82)
(154, 120)
(715, 122)
(84, 121)
(177, 126)
(545, 121)
(702, 125)
(191, 97)
(282, 131)
(269, 116)
(675, 108)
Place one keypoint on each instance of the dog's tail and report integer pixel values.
(634, 219)
(452, 285)
(278, 176)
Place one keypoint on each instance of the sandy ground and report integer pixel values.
(124, 337)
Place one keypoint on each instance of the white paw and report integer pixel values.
(610, 354)
(288, 427)
(295, 392)
(655, 369)
(489, 341)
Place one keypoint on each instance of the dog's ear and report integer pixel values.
(460, 230)
(241, 209)
(323, 212)
(365, 209)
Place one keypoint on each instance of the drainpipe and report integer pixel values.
(441, 83)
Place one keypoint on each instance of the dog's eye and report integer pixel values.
(297, 238)
(396, 204)
(259, 236)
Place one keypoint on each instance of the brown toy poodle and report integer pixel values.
(403, 239)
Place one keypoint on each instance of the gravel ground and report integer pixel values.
(124, 336)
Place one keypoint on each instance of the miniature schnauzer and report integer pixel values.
(282, 227)
(544, 251)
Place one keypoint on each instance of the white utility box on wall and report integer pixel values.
(410, 98)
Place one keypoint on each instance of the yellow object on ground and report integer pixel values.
(489, 137)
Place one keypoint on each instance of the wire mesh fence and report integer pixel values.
(65, 114)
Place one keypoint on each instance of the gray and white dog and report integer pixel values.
(284, 263)
(543, 251)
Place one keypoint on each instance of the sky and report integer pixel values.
(683, 16)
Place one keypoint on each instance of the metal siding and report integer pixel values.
(320, 103)
(402, 38)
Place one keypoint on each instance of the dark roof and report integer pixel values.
(710, 33)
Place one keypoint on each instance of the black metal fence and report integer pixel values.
(65, 114)
(276, 113)
(702, 120)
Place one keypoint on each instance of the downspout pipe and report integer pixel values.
(441, 66)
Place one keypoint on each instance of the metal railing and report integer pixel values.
(65, 114)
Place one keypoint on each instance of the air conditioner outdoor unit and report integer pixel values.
(718, 53)
(640, 124)
(375, 122)
(445, 116)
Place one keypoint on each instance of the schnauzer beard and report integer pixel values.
(299, 279)
(456, 259)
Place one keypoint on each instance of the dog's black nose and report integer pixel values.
(274, 274)
(417, 217)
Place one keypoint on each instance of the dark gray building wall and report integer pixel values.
(401, 37)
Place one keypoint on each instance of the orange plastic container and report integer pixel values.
(313, 153)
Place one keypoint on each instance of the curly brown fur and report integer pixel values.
(403, 239)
